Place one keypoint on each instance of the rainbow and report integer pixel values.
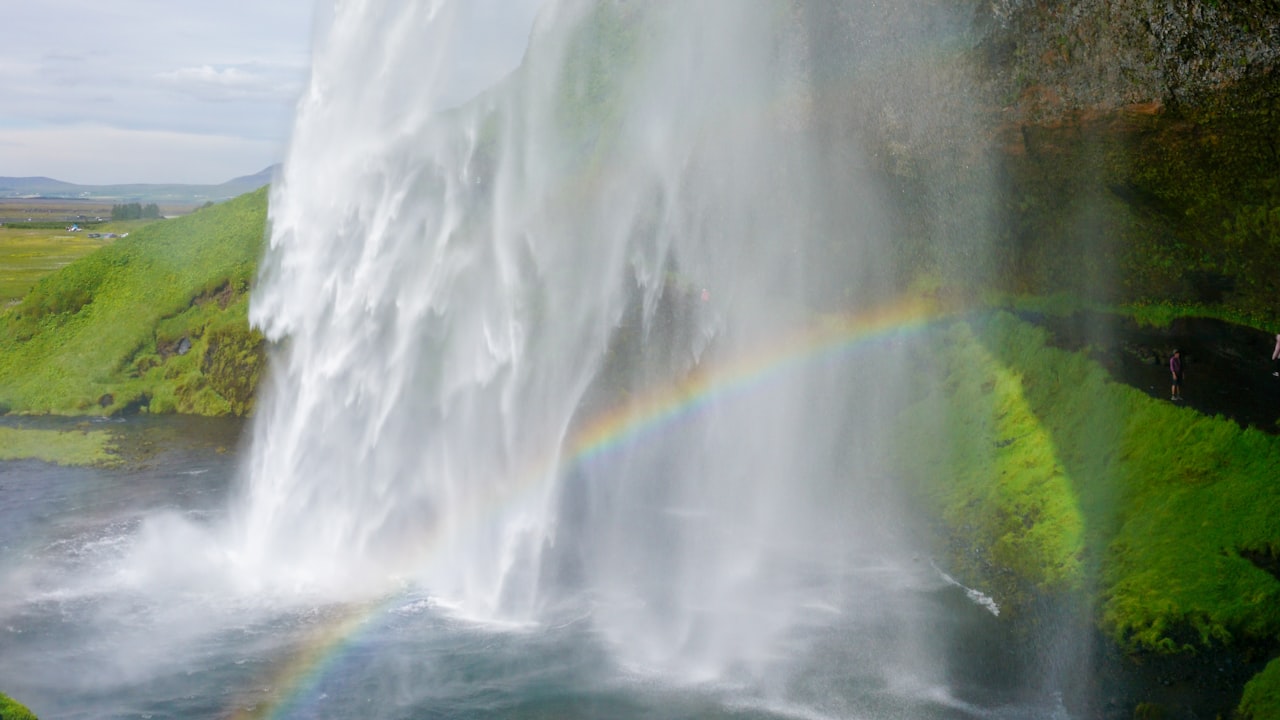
(831, 335)
(295, 681)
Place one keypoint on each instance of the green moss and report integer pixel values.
(233, 360)
(991, 471)
(133, 322)
(1148, 711)
(76, 447)
(10, 709)
(589, 105)
(1261, 699)
(1164, 499)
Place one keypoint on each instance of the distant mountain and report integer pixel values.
(256, 180)
(173, 193)
(27, 185)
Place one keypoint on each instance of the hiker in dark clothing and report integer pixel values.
(1175, 369)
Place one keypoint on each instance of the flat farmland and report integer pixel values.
(68, 210)
(26, 255)
(34, 240)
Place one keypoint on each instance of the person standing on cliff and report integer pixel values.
(1275, 358)
(1175, 369)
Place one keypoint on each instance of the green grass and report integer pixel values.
(10, 709)
(1150, 313)
(1049, 477)
(1261, 699)
(103, 334)
(1176, 497)
(65, 447)
(1162, 313)
(27, 255)
(987, 465)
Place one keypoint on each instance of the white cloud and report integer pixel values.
(133, 72)
(232, 82)
(187, 76)
(209, 74)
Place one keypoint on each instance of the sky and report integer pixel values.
(181, 91)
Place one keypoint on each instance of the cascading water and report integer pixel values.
(456, 294)
(573, 409)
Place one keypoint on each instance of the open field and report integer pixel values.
(41, 244)
(28, 255)
(44, 210)
(61, 210)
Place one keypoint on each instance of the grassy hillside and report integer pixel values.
(156, 321)
(1050, 478)
(28, 254)
(30, 251)
(11, 710)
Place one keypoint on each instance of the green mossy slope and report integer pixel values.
(1262, 695)
(11, 710)
(156, 321)
(1048, 477)
(990, 470)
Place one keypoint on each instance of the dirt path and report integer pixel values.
(1227, 367)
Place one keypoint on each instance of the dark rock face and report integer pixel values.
(1057, 57)
(1118, 150)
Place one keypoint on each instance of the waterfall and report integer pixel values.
(457, 294)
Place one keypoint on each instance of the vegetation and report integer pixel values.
(135, 211)
(1017, 528)
(589, 106)
(11, 710)
(1178, 206)
(156, 321)
(1261, 699)
(1048, 478)
(28, 254)
(78, 447)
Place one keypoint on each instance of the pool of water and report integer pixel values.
(118, 603)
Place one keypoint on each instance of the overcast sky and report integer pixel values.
(186, 91)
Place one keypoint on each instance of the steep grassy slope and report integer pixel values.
(11, 710)
(1050, 478)
(156, 321)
